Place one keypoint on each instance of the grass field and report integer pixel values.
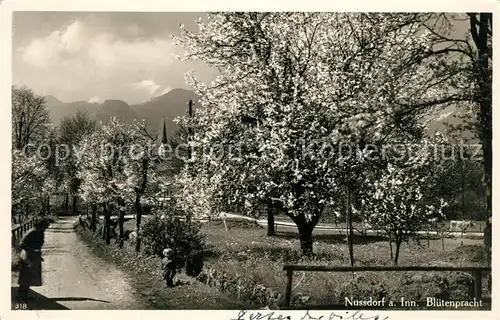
(244, 251)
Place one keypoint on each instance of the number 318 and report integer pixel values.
(20, 306)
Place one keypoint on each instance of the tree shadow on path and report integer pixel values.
(37, 301)
(60, 230)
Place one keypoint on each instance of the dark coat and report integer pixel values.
(31, 244)
(169, 270)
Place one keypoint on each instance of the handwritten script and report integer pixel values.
(348, 315)
(244, 315)
(272, 315)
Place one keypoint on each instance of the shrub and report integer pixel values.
(194, 264)
(16, 259)
(468, 254)
(182, 236)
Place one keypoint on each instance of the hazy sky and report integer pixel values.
(98, 56)
(94, 56)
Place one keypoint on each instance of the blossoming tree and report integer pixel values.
(400, 198)
(140, 166)
(114, 168)
(30, 179)
(289, 84)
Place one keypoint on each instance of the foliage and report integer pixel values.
(401, 199)
(110, 165)
(194, 264)
(182, 236)
(460, 184)
(30, 179)
(476, 54)
(30, 117)
(33, 177)
(289, 85)
(72, 131)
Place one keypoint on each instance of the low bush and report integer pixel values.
(182, 236)
(468, 253)
(242, 287)
(126, 256)
(194, 264)
(15, 259)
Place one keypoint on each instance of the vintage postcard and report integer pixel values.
(264, 161)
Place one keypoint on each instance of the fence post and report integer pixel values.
(478, 290)
(428, 239)
(288, 291)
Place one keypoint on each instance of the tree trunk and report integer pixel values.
(103, 235)
(349, 229)
(390, 246)
(74, 204)
(107, 224)
(399, 240)
(305, 226)
(121, 220)
(47, 205)
(485, 96)
(104, 222)
(138, 218)
(66, 203)
(270, 219)
(306, 241)
(93, 220)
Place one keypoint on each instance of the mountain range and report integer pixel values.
(167, 106)
(175, 103)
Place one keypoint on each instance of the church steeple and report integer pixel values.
(164, 139)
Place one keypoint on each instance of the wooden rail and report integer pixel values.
(476, 272)
(20, 230)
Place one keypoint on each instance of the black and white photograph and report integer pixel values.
(262, 162)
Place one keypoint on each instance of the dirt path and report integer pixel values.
(74, 278)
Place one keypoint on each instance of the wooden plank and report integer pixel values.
(478, 290)
(288, 290)
(380, 268)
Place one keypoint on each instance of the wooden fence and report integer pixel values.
(476, 272)
(20, 230)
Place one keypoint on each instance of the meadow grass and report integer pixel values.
(246, 251)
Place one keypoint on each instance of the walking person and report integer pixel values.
(30, 274)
